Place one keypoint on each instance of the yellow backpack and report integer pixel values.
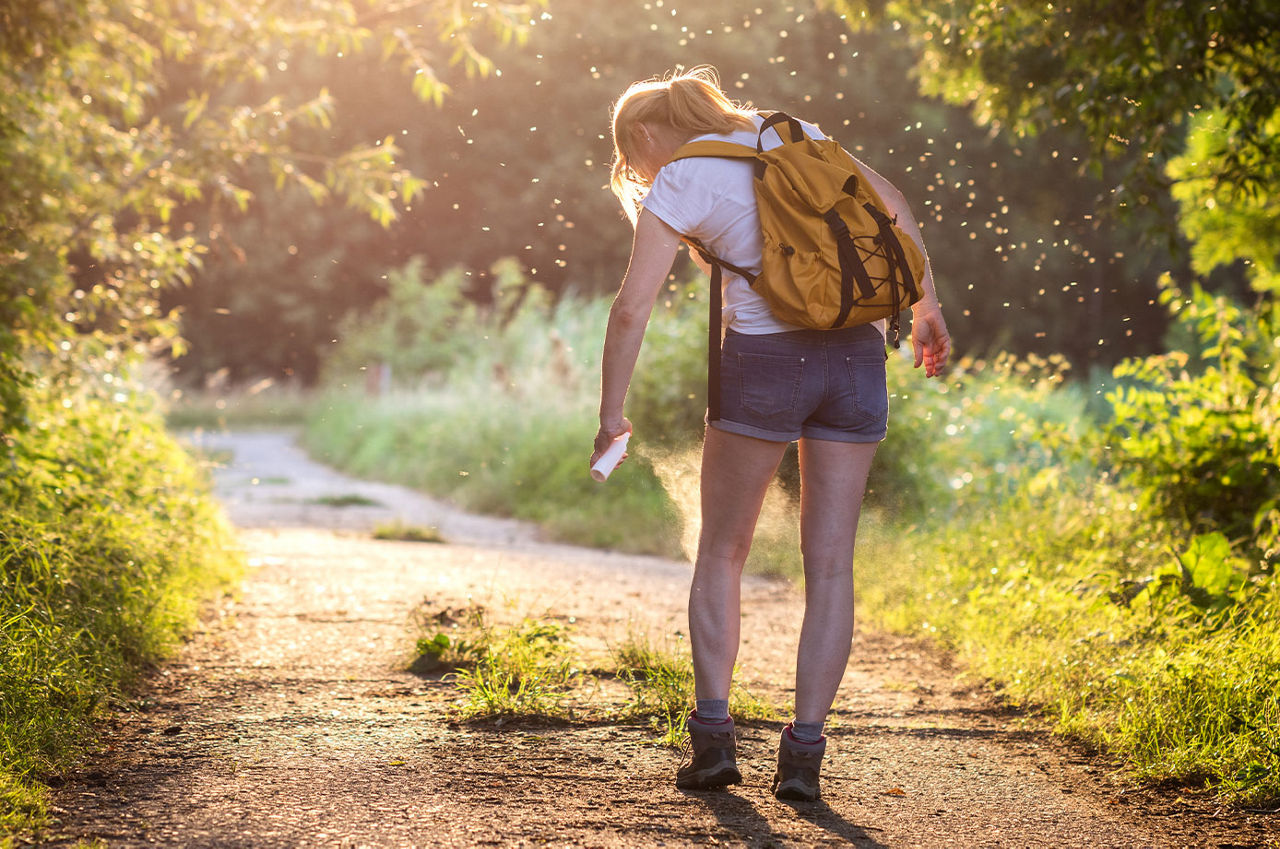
(832, 256)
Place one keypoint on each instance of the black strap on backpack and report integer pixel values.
(714, 320)
(774, 119)
(852, 271)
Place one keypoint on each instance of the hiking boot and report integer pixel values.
(798, 767)
(711, 756)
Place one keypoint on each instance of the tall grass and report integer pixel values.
(660, 676)
(1034, 555)
(107, 544)
(1041, 594)
(1004, 518)
(264, 404)
(506, 429)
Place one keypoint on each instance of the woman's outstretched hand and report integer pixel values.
(930, 339)
(609, 431)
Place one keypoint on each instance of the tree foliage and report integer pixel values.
(118, 118)
(1227, 225)
(1134, 78)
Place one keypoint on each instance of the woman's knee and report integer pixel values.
(727, 557)
(829, 573)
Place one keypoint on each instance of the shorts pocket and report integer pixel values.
(870, 391)
(769, 383)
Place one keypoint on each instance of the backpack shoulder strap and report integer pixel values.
(711, 147)
(772, 121)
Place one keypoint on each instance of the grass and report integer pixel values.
(263, 404)
(108, 542)
(660, 678)
(404, 532)
(661, 683)
(522, 670)
(531, 669)
(1032, 594)
(343, 500)
(465, 444)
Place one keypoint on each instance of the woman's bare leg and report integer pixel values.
(833, 479)
(736, 471)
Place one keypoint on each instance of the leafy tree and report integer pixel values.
(117, 117)
(1133, 78)
(1227, 224)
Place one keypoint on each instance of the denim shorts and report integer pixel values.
(817, 384)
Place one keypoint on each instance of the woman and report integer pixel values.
(838, 422)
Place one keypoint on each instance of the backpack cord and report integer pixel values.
(851, 268)
(900, 279)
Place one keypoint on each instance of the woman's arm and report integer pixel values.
(652, 254)
(929, 336)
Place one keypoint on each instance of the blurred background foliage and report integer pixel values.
(515, 164)
(132, 135)
(1060, 159)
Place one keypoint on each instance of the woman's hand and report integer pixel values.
(609, 431)
(930, 339)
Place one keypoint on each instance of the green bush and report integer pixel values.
(1197, 430)
(108, 541)
(977, 434)
(418, 328)
(1053, 573)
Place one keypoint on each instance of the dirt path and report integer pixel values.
(288, 720)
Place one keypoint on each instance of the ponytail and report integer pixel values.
(690, 101)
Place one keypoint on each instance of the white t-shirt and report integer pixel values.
(713, 200)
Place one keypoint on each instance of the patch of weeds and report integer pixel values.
(405, 532)
(524, 669)
(349, 499)
(746, 706)
(661, 682)
(448, 642)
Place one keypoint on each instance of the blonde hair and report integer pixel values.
(688, 101)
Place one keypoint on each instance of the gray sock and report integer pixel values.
(807, 732)
(712, 710)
